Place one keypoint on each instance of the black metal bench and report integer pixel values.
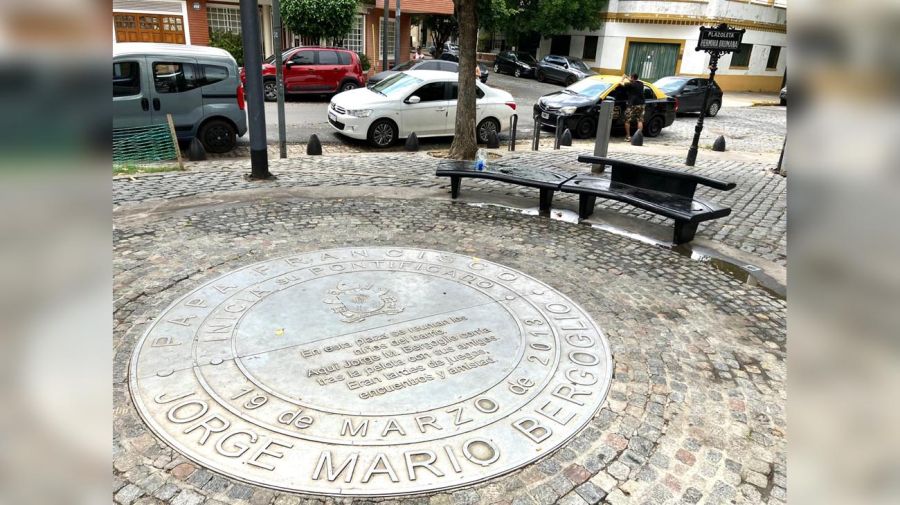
(545, 180)
(658, 190)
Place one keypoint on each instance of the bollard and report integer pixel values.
(536, 134)
(493, 142)
(412, 142)
(196, 152)
(314, 147)
(604, 125)
(566, 139)
(638, 138)
(558, 133)
(513, 123)
(719, 144)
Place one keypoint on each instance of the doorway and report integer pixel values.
(652, 60)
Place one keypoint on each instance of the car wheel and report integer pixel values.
(485, 127)
(217, 136)
(270, 91)
(782, 101)
(539, 76)
(517, 73)
(496, 68)
(349, 85)
(571, 80)
(585, 128)
(713, 109)
(383, 133)
(654, 127)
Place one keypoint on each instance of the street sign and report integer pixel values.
(715, 41)
(719, 39)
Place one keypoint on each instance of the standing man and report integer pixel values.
(634, 100)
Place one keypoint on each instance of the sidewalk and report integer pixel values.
(748, 99)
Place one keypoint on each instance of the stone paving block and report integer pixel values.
(590, 493)
(188, 497)
(128, 494)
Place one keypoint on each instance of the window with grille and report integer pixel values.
(354, 40)
(774, 54)
(391, 25)
(741, 57)
(223, 19)
(590, 47)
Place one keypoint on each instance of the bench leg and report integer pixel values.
(586, 205)
(546, 200)
(684, 232)
(454, 186)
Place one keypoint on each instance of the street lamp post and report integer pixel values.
(692, 152)
(259, 161)
(715, 41)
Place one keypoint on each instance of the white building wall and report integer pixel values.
(614, 35)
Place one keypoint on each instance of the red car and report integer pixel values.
(313, 70)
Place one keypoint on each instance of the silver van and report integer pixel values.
(199, 86)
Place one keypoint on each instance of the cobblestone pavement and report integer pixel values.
(746, 129)
(756, 226)
(696, 411)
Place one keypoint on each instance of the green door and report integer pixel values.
(651, 61)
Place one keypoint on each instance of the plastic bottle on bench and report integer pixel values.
(480, 160)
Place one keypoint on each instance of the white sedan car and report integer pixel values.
(420, 101)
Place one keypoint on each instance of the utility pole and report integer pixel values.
(259, 160)
(279, 78)
(397, 59)
(384, 37)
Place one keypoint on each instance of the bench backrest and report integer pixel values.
(656, 179)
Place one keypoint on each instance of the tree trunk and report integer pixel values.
(464, 146)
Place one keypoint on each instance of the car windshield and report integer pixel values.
(396, 84)
(670, 84)
(575, 62)
(526, 58)
(405, 66)
(589, 87)
(271, 59)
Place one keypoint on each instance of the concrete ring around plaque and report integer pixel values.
(370, 372)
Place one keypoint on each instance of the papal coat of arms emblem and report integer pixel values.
(357, 303)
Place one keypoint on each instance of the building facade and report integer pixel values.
(656, 38)
(191, 21)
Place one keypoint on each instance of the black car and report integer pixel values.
(579, 104)
(688, 91)
(517, 63)
(455, 59)
(446, 66)
(564, 69)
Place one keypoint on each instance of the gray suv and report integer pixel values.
(199, 86)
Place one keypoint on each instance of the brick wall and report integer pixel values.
(197, 23)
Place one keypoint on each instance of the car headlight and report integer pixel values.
(567, 110)
(360, 112)
(526, 66)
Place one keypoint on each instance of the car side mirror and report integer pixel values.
(688, 89)
(413, 100)
(289, 63)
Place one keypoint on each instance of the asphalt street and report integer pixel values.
(307, 114)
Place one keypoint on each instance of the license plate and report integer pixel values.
(332, 116)
(545, 115)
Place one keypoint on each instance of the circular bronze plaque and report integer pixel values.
(370, 372)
